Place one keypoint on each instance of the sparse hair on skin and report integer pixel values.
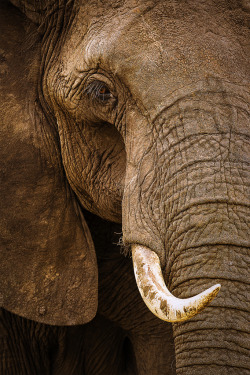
(124, 249)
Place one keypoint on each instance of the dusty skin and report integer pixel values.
(124, 126)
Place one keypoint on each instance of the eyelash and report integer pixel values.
(94, 91)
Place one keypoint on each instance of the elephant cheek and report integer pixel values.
(94, 163)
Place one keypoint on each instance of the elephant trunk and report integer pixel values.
(215, 341)
(186, 199)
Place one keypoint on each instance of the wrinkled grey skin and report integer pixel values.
(136, 111)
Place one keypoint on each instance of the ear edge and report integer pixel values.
(29, 9)
(48, 265)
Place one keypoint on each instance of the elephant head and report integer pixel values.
(137, 112)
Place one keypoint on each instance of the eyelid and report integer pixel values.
(94, 85)
(93, 90)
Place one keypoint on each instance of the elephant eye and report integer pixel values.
(98, 90)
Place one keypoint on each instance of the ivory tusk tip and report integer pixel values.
(214, 289)
(208, 295)
(155, 294)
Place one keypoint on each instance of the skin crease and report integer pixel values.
(166, 156)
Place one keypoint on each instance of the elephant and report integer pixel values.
(124, 134)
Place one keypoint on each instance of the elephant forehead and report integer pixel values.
(106, 38)
(155, 48)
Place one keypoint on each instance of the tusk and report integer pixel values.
(155, 294)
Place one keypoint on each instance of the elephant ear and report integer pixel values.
(35, 10)
(48, 265)
(32, 8)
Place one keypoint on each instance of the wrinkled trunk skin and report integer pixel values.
(215, 341)
(190, 206)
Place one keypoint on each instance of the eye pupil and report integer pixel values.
(103, 91)
(98, 90)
